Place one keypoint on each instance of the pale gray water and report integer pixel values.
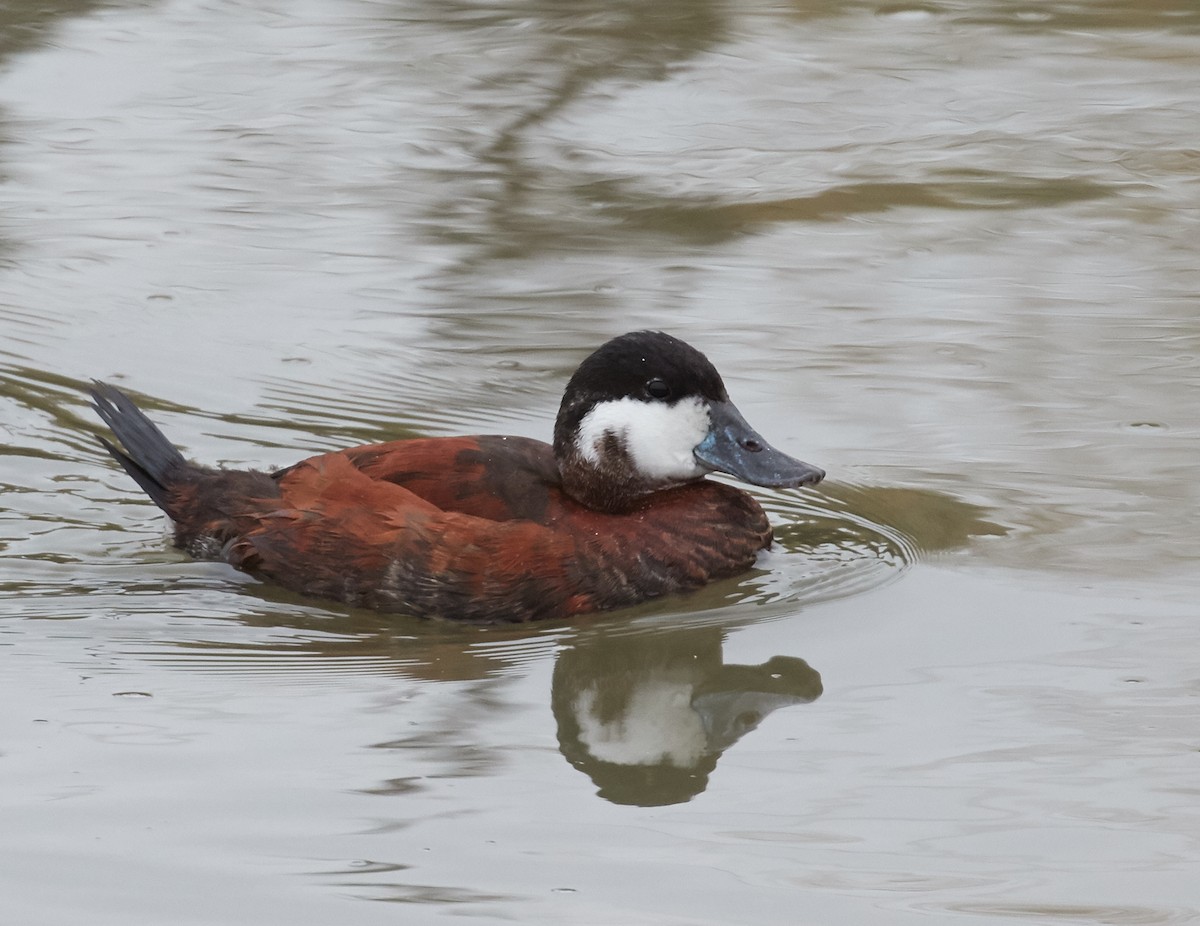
(948, 251)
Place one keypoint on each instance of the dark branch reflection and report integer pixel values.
(647, 717)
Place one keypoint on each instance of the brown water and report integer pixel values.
(948, 251)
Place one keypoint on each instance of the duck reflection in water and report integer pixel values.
(647, 716)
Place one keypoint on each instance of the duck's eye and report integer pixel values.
(657, 389)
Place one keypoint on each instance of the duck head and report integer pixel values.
(647, 412)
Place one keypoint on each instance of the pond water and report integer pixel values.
(948, 251)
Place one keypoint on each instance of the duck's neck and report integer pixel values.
(611, 484)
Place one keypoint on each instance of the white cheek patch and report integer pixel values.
(658, 437)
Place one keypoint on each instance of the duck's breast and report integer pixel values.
(676, 541)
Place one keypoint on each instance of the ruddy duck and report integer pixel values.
(495, 528)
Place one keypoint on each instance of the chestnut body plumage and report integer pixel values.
(495, 528)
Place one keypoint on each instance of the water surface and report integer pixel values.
(946, 251)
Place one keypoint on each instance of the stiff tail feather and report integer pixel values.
(149, 458)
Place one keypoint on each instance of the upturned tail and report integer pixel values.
(148, 456)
